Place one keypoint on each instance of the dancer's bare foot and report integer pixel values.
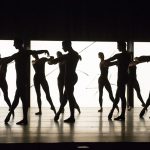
(120, 118)
(110, 116)
(100, 110)
(22, 122)
(70, 120)
(142, 113)
(56, 117)
(38, 113)
(78, 109)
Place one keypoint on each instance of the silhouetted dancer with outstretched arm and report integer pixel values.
(143, 59)
(61, 84)
(123, 60)
(71, 60)
(134, 83)
(3, 83)
(103, 81)
(21, 59)
(40, 80)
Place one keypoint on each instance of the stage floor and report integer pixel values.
(90, 127)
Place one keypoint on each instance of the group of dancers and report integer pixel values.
(123, 61)
(67, 79)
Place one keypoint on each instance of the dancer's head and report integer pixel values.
(18, 43)
(66, 45)
(101, 55)
(121, 45)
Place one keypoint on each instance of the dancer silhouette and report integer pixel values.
(61, 85)
(134, 83)
(21, 59)
(71, 60)
(40, 80)
(61, 78)
(3, 83)
(103, 81)
(138, 60)
(123, 60)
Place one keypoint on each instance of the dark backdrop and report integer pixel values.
(92, 20)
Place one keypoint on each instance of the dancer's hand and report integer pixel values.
(47, 52)
(50, 60)
(80, 57)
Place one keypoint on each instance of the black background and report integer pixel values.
(83, 20)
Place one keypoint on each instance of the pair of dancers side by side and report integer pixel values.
(67, 79)
(123, 62)
(21, 59)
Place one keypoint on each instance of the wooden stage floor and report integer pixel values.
(90, 127)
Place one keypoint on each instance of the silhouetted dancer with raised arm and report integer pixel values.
(71, 60)
(40, 80)
(103, 81)
(143, 59)
(123, 60)
(61, 84)
(134, 83)
(3, 83)
(21, 59)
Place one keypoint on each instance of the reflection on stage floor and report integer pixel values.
(90, 126)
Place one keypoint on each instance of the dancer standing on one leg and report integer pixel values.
(21, 60)
(71, 60)
(40, 80)
(103, 81)
(123, 60)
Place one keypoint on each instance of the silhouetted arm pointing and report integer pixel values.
(143, 58)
